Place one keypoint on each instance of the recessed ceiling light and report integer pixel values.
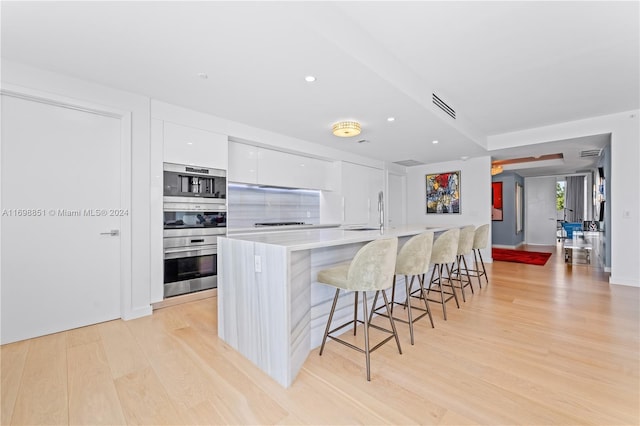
(434, 142)
(309, 79)
(203, 75)
(390, 119)
(464, 157)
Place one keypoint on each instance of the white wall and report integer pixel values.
(475, 195)
(625, 180)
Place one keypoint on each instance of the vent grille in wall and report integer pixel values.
(590, 153)
(443, 106)
(408, 163)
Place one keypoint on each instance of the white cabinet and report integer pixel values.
(262, 166)
(360, 188)
(188, 145)
(243, 163)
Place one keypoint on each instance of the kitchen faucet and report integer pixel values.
(381, 210)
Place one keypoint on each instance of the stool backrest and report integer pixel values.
(481, 237)
(465, 243)
(373, 265)
(415, 255)
(445, 248)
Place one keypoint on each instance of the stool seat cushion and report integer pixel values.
(415, 255)
(336, 276)
(481, 237)
(371, 268)
(445, 247)
(465, 243)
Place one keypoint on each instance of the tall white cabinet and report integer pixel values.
(360, 188)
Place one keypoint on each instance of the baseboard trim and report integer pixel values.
(505, 246)
(629, 282)
(176, 300)
(138, 313)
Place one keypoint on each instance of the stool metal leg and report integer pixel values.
(406, 283)
(475, 258)
(424, 297)
(366, 334)
(483, 268)
(466, 268)
(326, 330)
(355, 313)
(393, 324)
(464, 299)
(453, 290)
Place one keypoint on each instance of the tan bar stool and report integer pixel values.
(413, 261)
(465, 246)
(480, 241)
(370, 270)
(445, 250)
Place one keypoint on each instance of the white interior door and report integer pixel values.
(540, 217)
(397, 200)
(60, 199)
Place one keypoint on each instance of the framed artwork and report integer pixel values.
(443, 193)
(519, 208)
(497, 212)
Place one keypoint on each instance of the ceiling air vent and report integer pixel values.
(590, 153)
(443, 106)
(408, 163)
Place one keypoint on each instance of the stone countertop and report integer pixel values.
(305, 239)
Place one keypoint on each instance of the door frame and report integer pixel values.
(124, 116)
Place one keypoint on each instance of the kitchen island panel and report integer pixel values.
(300, 316)
(253, 306)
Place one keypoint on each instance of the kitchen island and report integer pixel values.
(270, 307)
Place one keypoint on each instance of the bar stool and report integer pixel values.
(465, 246)
(445, 249)
(370, 270)
(480, 241)
(413, 261)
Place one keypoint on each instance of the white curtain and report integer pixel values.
(574, 198)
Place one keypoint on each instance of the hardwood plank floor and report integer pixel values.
(553, 344)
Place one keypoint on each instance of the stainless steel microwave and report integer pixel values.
(192, 181)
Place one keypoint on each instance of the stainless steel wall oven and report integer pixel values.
(195, 214)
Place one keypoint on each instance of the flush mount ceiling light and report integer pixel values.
(309, 79)
(390, 119)
(346, 129)
(496, 170)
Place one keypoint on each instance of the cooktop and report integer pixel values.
(278, 223)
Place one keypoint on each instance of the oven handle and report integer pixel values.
(176, 253)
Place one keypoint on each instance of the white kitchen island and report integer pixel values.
(271, 309)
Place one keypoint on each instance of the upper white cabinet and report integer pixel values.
(360, 188)
(243, 163)
(188, 145)
(250, 164)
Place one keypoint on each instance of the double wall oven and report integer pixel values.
(195, 214)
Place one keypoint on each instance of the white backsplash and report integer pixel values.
(250, 204)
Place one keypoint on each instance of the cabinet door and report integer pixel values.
(360, 187)
(279, 169)
(188, 145)
(243, 163)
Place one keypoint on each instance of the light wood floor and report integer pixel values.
(539, 345)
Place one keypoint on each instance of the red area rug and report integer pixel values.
(520, 256)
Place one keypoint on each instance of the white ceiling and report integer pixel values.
(503, 66)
